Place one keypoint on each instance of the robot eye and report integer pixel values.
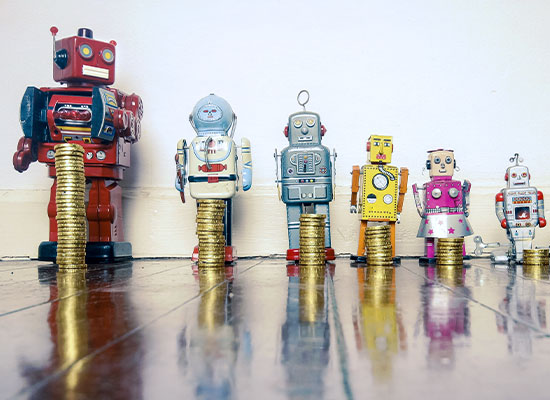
(448, 160)
(437, 160)
(85, 51)
(386, 145)
(298, 123)
(524, 175)
(376, 143)
(310, 122)
(514, 175)
(108, 56)
(214, 111)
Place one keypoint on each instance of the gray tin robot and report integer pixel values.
(307, 175)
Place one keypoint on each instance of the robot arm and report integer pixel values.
(277, 158)
(540, 206)
(355, 175)
(499, 209)
(418, 201)
(127, 118)
(247, 164)
(181, 173)
(466, 186)
(404, 172)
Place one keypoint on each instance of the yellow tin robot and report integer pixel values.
(382, 189)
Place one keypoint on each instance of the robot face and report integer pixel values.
(380, 148)
(304, 128)
(82, 59)
(212, 115)
(518, 176)
(442, 163)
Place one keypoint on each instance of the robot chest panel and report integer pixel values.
(220, 153)
(521, 207)
(305, 162)
(70, 117)
(443, 194)
(379, 192)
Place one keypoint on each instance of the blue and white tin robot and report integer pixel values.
(307, 175)
(209, 163)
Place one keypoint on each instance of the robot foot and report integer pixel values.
(96, 252)
(230, 254)
(294, 254)
(426, 260)
(358, 259)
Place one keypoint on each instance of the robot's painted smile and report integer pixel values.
(96, 72)
(380, 156)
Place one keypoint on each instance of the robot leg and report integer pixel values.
(230, 254)
(293, 212)
(429, 255)
(323, 208)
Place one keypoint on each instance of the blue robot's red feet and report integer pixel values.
(294, 254)
(230, 254)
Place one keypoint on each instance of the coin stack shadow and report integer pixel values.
(312, 240)
(536, 257)
(378, 245)
(449, 251)
(210, 232)
(71, 210)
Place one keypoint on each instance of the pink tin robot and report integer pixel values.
(442, 203)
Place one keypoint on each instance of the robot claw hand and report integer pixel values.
(353, 209)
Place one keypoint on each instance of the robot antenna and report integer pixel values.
(54, 31)
(304, 102)
(515, 158)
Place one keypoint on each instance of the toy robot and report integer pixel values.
(519, 208)
(382, 192)
(444, 204)
(209, 163)
(103, 120)
(307, 175)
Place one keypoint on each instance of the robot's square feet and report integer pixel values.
(96, 252)
(426, 260)
(358, 259)
(396, 260)
(294, 254)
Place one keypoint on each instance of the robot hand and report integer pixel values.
(353, 209)
(398, 218)
(504, 224)
(542, 222)
(26, 154)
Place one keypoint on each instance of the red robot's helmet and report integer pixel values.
(81, 60)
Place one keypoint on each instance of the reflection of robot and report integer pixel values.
(210, 348)
(382, 194)
(522, 313)
(444, 204)
(446, 313)
(307, 175)
(103, 120)
(306, 332)
(519, 208)
(381, 329)
(210, 161)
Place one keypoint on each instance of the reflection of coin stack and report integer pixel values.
(71, 211)
(451, 275)
(449, 251)
(312, 293)
(535, 256)
(378, 243)
(312, 239)
(539, 272)
(210, 232)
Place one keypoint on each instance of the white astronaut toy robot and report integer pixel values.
(519, 208)
(212, 160)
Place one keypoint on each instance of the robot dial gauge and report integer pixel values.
(380, 181)
(388, 199)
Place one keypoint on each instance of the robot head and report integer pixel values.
(380, 149)
(212, 115)
(81, 60)
(441, 162)
(517, 175)
(304, 127)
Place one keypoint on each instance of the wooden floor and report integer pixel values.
(154, 329)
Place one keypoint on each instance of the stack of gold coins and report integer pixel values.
(449, 251)
(536, 257)
(378, 245)
(312, 239)
(210, 232)
(71, 210)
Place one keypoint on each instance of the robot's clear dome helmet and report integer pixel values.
(212, 114)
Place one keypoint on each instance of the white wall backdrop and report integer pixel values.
(468, 75)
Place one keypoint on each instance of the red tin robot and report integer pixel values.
(104, 120)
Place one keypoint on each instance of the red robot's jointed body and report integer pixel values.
(103, 120)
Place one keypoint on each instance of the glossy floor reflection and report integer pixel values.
(262, 330)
